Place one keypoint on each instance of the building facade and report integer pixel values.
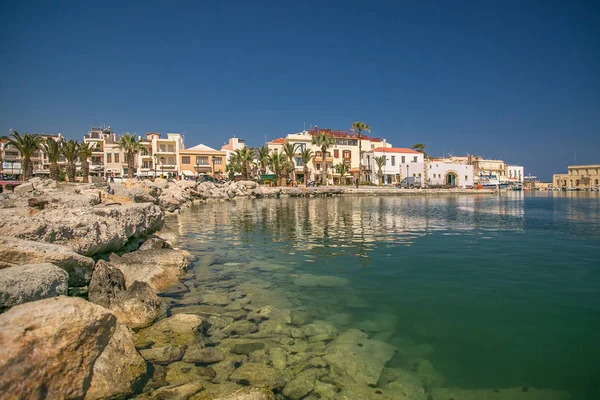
(442, 174)
(399, 163)
(515, 173)
(578, 177)
(202, 159)
(11, 161)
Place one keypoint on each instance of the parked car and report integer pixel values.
(410, 182)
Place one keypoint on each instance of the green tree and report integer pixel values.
(306, 155)
(233, 166)
(360, 127)
(262, 156)
(342, 169)
(420, 147)
(70, 151)
(245, 157)
(324, 140)
(380, 161)
(26, 145)
(85, 151)
(277, 165)
(53, 149)
(131, 146)
(289, 150)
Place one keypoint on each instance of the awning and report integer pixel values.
(187, 173)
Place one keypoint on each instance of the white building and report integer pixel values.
(399, 163)
(515, 173)
(448, 174)
(232, 145)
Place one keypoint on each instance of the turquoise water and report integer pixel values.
(504, 290)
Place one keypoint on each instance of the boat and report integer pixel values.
(517, 186)
(491, 182)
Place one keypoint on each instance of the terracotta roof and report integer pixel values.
(280, 140)
(395, 150)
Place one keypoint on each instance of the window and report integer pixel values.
(108, 157)
(372, 146)
(346, 154)
(318, 167)
(318, 154)
(201, 160)
(596, 182)
(384, 161)
(415, 159)
(218, 161)
(298, 161)
(116, 157)
(419, 175)
(368, 160)
(185, 160)
(328, 154)
(336, 153)
(301, 147)
(170, 148)
(466, 178)
(393, 160)
(403, 159)
(171, 161)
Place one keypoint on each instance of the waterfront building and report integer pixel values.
(444, 174)
(104, 142)
(399, 163)
(231, 146)
(201, 159)
(578, 177)
(10, 158)
(344, 150)
(515, 173)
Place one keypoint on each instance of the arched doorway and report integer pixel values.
(451, 178)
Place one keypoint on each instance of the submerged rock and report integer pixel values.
(15, 252)
(119, 369)
(181, 372)
(309, 280)
(31, 282)
(178, 330)
(178, 392)
(354, 355)
(162, 355)
(303, 383)
(248, 393)
(160, 268)
(49, 347)
(257, 375)
(199, 355)
(138, 306)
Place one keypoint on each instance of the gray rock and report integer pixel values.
(180, 372)
(178, 392)
(247, 348)
(319, 331)
(352, 354)
(257, 375)
(154, 243)
(162, 355)
(24, 187)
(248, 393)
(53, 359)
(309, 280)
(119, 368)
(300, 318)
(303, 383)
(209, 355)
(237, 328)
(14, 251)
(31, 282)
(106, 283)
(138, 306)
(178, 330)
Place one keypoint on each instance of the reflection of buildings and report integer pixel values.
(578, 176)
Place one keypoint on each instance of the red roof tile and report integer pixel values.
(396, 150)
(280, 140)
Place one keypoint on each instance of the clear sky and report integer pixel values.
(517, 80)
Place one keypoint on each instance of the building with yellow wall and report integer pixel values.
(578, 177)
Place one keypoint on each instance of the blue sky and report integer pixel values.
(518, 80)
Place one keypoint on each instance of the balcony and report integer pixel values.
(328, 159)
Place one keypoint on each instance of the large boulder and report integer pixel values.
(119, 369)
(48, 348)
(15, 251)
(107, 281)
(86, 230)
(160, 268)
(31, 282)
(353, 355)
(24, 187)
(138, 306)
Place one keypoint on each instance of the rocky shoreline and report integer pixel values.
(138, 326)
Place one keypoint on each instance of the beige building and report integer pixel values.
(201, 159)
(578, 177)
(10, 158)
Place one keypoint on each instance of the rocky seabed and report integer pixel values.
(98, 303)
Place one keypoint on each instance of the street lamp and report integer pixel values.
(155, 162)
(162, 167)
(197, 169)
(213, 159)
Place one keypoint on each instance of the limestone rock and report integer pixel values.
(257, 375)
(86, 230)
(48, 348)
(138, 306)
(240, 328)
(14, 251)
(198, 355)
(162, 355)
(160, 268)
(118, 370)
(354, 355)
(247, 348)
(107, 281)
(309, 280)
(177, 392)
(303, 383)
(154, 243)
(31, 282)
(180, 372)
(248, 393)
(24, 187)
(319, 331)
(178, 330)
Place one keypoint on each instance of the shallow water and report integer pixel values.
(504, 289)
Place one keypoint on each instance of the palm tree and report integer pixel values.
(323, 140)
(360, 127)
(26, 145)
(131, 146)
(342, 169)
(290, 151)
(380, 161)
(262, 155)
(53, 149)
(306, 155)
(85, 152)
(233, 166)
(245, 158)
(70, 151)
(277, 165)
(420, 147)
